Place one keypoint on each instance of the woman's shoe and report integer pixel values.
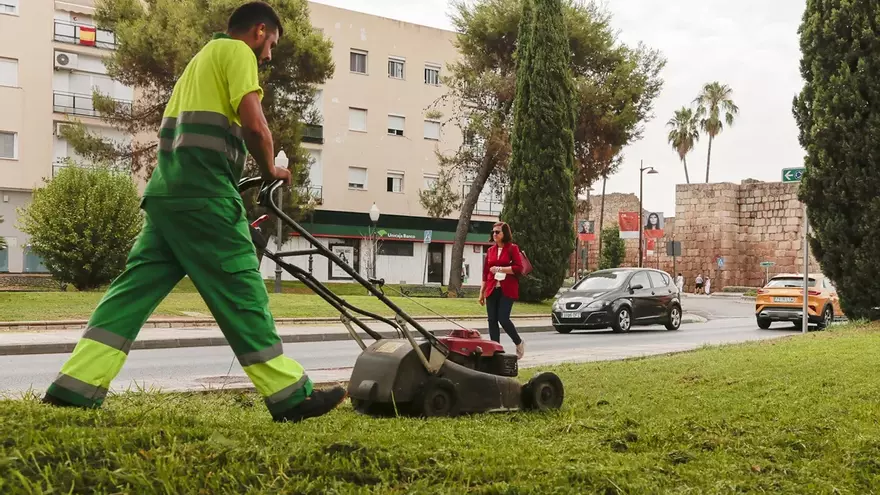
(520, 350)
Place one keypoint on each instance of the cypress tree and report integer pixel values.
(539, 205)
(838, 115)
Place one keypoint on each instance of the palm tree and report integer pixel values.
(683, 134)
(713, 100)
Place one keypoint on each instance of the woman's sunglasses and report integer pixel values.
(496, 232)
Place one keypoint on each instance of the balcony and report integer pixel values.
(123, 167)
(487, 203)
(78, 104)
(313, 134)
(315, 192)
(68, 32)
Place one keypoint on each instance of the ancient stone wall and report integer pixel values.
(745, 224)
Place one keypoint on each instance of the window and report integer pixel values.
(601, 281)
(357, 178)
(396, 248)
(432, 130)
(8, 145)
(359, 61)
(8, 72)
(9, 7)
(395, 182)
(658, 280)
(357, 119)
(790, 282)
(430, 180)
(640, 278)
(395, 125)
(395, 67)
(432, 74)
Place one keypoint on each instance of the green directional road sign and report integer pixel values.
(792, 174)
(767, 264)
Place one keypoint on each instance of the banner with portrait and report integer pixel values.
(654, 223)
(586, 230)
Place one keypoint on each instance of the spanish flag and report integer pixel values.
(87, 35)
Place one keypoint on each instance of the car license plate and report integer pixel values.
(783, 299)
(571, 315)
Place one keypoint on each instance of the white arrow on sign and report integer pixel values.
(793, 174)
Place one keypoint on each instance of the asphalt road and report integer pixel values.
(214, 367)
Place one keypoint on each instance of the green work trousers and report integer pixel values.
(207, 239)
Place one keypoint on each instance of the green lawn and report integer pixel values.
(798, 415)
(30, 306)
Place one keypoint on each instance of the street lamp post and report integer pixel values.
(281, 161)
(641, 176)
(374, 217)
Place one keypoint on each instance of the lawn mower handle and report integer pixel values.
(266, 199)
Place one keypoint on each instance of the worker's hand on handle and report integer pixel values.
(278, 173)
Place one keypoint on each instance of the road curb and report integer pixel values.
(17, 326)
(184, 342)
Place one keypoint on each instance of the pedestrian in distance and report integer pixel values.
(500, 287)
(679, 282)
(196, 226)
(698, 284)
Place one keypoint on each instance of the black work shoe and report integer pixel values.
(318, 404)
(55, 401)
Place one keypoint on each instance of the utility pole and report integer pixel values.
(650, 170)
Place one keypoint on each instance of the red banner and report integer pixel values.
(629, 224)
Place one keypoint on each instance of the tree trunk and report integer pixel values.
(708, 159)
(602, 214)
(686, 177)
(464, 224)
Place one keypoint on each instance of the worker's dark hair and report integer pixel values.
(251, 14)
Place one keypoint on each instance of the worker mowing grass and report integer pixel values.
(196, 226)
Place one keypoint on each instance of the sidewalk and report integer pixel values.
(63, 341)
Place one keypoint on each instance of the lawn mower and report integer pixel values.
(458, 373)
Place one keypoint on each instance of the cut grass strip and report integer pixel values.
(794, 415)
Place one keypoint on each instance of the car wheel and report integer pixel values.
(673, 321)
(622, 320)
(562, 329)
(763, 324)
(827, 318)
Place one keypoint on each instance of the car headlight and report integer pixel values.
(557, 306)
(599, 304)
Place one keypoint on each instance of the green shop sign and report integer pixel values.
(330, 230)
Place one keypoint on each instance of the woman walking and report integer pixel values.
(500, 286)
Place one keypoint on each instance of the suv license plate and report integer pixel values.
(783, 299)
(571, 315)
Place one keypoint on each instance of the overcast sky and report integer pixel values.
(751, 45)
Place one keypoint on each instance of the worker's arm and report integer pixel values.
(258, 137)
(245, 93)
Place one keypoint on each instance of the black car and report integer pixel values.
(619, 298)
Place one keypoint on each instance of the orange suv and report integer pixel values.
(782, 299)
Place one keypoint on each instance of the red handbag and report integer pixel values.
(527, 265)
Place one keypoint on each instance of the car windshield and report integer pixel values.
(789, 282)
(601, 281)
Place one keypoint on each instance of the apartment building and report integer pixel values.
(50, 61)
(376, 143)
(377, 146)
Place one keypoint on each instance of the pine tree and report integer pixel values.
(838, 114)
(540, 204)
(613, 250)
